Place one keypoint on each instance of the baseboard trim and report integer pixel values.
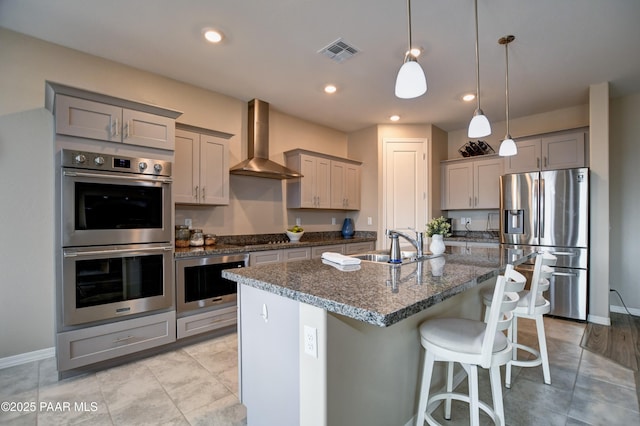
(599, 320)
(24, 358)
(622, 310)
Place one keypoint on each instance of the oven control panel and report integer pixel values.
(114, 163)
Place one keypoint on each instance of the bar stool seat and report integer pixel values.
(472, 344)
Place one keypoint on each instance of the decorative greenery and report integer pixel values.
(438, 226)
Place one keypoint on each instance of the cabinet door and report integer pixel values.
(486, 183)
(214, 170)
(352, 187)
(563, 151)
(527, 159)
(316, 251)
(323, 183)
(458, 186)
(87, 119)
(264, 257)
(302, 253)
(338, 182)
(144, 129)
(186, 167)
(308, 166)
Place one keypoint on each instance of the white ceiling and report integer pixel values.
(270, 51)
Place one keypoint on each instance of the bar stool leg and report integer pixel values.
(542, 343)
(447, 403)
(512, 334)
(474, 406)
(496, 393)
(427, 372)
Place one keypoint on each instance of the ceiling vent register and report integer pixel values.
(339, 51)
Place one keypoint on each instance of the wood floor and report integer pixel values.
(620, 342)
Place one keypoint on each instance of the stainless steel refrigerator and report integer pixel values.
(549, 211)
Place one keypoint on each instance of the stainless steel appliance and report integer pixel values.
(115, 255)
(200, 285)
(110, 199)
(549, 210)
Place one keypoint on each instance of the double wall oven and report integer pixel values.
(116, 250)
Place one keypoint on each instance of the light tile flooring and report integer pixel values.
(197, 385)
(194, 385)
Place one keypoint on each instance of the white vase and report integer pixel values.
(437, 244)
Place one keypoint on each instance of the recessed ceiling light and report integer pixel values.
(212, 36)
(330, 88)
(394, 118)
(468, 97)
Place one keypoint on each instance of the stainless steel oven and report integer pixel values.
(110, 282)
(200, 285)
(115, 257)
(110, 199)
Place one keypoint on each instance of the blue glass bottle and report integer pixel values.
(347, 228)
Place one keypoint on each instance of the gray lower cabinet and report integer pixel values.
(89, 345)
(352, 248)
(356, 248)
(269, 345)
(206, 321)
(278, 256)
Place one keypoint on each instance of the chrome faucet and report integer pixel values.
(395, 255)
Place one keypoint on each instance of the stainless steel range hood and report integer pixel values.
(258, 163)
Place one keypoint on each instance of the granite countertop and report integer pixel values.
(378, 293)
(233, 244)
(492, 237)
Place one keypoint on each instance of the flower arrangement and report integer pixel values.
(438, 226)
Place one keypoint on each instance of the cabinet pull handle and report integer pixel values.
(475, 202)
(538, 162)
(203, 193)
(469, 201)
(195, 193)
(116, 127)
(125, 129)
(545, 162)
(123, 339)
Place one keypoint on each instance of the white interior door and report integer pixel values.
(404, 185)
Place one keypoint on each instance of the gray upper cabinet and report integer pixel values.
(91, 115)
(328, 182)
(553, 152)
(471, 184)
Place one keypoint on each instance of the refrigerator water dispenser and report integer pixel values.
(514, 221)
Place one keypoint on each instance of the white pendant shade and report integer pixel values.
(479, 126)
(508, 147)
(411, 81)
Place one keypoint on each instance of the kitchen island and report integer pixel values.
(323, 346)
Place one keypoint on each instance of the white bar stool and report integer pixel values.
(532, 305)
(472, 344)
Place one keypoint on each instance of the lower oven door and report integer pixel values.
(199, 282)
(109, 282)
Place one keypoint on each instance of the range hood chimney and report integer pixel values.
(258, 163)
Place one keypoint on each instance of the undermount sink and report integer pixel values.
(383, 257)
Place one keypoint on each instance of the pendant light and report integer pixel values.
(479, 126)
(507, 146)
(410, 82)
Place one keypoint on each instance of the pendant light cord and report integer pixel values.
(477, 61)
(409, 26)
(506, 54)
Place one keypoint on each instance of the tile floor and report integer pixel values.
(194, 385)
(197, 385)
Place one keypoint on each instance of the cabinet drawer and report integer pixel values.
(296, 254)
(316, 252)
(94, 344)
(356, 248)
(206, 321)
(263, 257)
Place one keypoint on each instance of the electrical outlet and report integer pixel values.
(298, 221)
(333, 220)
(311, 341)
(188, 223)
(468, 221)
(463, 221)
(369, 221)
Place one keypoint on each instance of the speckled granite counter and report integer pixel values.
(247, 243)
(378, 293)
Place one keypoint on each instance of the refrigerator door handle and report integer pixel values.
(564, 274)
(535, 203)
(541, 214)
(563, 253)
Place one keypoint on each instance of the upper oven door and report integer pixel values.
(103, 208)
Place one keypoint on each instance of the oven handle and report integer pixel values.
(114, 176)
(114, 251)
